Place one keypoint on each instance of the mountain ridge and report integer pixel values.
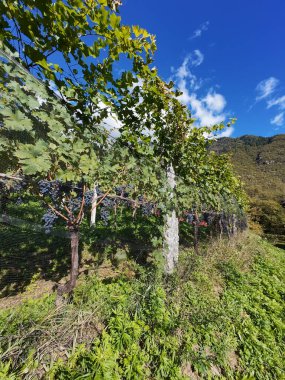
(260, 163)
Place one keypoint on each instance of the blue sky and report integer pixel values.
(228, 57)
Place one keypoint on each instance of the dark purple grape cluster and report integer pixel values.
(74, 204)
(108, 202)
(123, 191)
(88, 197)
(17, 186)
(49, 219)
(106, 205)
(52, 189)
(44, 187)
(105, 215)
(147, 209)
(209, 217)
(64, 196)
(119, 190)
(10, 188)
(189, 218)
(56, 190)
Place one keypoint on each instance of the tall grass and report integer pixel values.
(221, 315)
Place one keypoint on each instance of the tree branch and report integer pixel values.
(57, 212)
(79, 217)
(2, 175)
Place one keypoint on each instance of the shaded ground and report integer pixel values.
(28, 255)
(37, 290)
(38, 287)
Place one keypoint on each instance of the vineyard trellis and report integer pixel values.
(58, 147)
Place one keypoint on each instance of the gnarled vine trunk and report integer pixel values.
(196, 232)
(74, 270)
(171, 230)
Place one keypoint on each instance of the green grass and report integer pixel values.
(220, 316)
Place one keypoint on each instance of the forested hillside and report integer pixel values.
(260, 161)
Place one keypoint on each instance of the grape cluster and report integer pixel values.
(56, 190)
(44, 187)
(208, 217)
(108, 202)
(53, 189)
(88, 197)
(49, 219)
(8, 188)
(74, 204)
(119, 190)
(147, 209)
(189, 218)
(63, 195)
(123, 191)
(105, 214)
(106, 205)
(205, 219)
(17, 186)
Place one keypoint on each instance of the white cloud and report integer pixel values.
(183, 71)
(205, 113)
(113, 125)
(226, 133)
(279, 102)
(197, 58)
(194, 59)
(215, 102)
(266, 87)
(278, 119)
(202, 28)
(183, 74)
(208, 110)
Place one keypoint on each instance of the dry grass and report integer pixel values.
(37, 290)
